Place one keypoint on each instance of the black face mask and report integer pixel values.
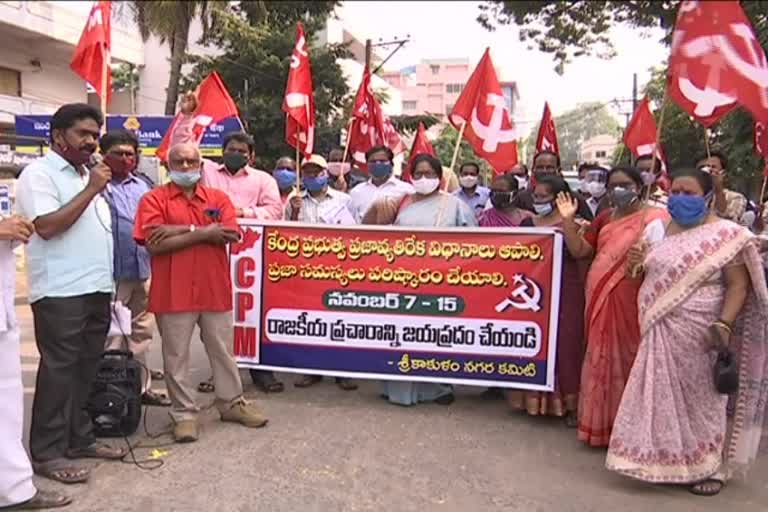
(501, 200)
(234, 161)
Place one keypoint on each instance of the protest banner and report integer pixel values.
(475, 307)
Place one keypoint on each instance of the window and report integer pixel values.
(10, 82)
(409, 105)
(454, 88)
(600, 154)
(435, 69)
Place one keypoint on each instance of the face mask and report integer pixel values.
(468, 181)
(120, 166)
(522, 182)
(185, 179)
(337, 168)
(583, 186)
(76, 157)
(380, 169)
(315, 183)
(648, 178)
(286, 178)
(596, 189)
(623, 197)
(543, 208)
(501, 200)
(234, 161)
(687, 210)
(425, 186)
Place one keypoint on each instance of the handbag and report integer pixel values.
(726, 372)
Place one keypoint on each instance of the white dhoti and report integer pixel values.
(15, 469)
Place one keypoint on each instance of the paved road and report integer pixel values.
(329, 450)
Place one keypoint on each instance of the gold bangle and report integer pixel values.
(723, 325)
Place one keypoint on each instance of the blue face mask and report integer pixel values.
(380, 169)
(286, 178)
(315, 183)
(185, 179)
(687, 210)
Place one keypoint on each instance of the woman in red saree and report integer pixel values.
(704, 289)
(612, 330)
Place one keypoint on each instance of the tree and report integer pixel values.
(170, 21)
(574, 127)
(444, 147)
(125, 77)
(256, 53)
(572, 28)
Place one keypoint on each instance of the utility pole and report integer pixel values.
(634, 92)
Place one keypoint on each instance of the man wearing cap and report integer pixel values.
(319, 204)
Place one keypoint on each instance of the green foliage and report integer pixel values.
(444, 147)
(125, 77)
(572, 28)
(257, 47)
(406, 125)
(574, 127)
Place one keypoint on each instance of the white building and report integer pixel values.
(39, 39)
(598, 149)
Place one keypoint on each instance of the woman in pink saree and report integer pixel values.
(612, 330)
(704, 289)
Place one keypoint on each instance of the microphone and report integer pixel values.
(94, 160)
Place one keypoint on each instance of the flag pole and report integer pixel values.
(346, 142)
(706, 142)
(298, 165)
(103, 98)
(654, 158)
(458, 145)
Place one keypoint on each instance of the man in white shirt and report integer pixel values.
(17, 490)
(381, 184)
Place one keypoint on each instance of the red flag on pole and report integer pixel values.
(92, 58)
(299, 102)
(717, 63)
(482, 107)
(213, 104)
(420, 146)
(370, 127)
(640, 135)
(546, 140)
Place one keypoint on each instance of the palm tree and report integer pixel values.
(170, 22)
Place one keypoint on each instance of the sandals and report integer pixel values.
(346, 384)
(492, 394)
(96, 450)
(571, 419)
(157, 375)
(207, 386)
(42, 500)
(307, 380)
(153, 398)
(708, 487)
(62, 472)
(266, 381)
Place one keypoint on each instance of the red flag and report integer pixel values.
(299, 102)
(91, 59)
(370, 127)
(420, 146)
(717, 63)
(489, 128)
(640, 135)
(213, 104)
(547, 137)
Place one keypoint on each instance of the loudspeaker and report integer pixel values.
(115, 400)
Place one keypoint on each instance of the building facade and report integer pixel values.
(598, 149)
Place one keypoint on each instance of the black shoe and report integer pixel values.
(445, 399)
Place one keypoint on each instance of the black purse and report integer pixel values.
(726, 372)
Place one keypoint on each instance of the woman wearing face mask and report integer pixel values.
(704, 290)
(570, 352)
(428, 207)
(612, 330)
(504, 213)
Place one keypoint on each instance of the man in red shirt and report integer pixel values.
(185, 227)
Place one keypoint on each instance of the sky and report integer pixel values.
(449, 30)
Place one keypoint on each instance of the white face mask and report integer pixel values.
(522, 182)
(583, 186)
(425, 186)
(468, 181)
(596, 189)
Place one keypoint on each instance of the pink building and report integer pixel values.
(434, 85)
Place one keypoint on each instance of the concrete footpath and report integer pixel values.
(329, 450)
